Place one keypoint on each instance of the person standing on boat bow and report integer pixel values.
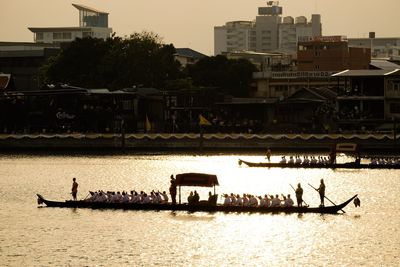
(299, 195)
(74, 190)
(321, 191)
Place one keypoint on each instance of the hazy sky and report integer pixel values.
(190, 23)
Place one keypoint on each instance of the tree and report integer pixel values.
(77, 63)
(233, 76)
(141, 59)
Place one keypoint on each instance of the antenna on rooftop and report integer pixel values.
(272, 3)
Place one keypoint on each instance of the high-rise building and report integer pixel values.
(92, 23)
(267, 33)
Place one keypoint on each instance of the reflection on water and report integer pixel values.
(60, 237)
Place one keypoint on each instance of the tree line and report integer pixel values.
(142, 60)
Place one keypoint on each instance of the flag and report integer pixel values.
(148, 124)
(203, 121)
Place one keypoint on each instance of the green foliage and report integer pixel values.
(141, 59)
(234, 76)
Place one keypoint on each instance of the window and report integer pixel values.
(127, 105)
(395, 108)
(57, 35)
(39, 36)
(395, 85)
(67, 35)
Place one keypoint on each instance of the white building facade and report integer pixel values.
(267, 33)
(381, 47)
(92, 23)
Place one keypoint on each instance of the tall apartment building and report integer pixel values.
(92, 22)
(267, 33)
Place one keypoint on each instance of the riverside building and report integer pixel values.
(269, 32)
(92, 23)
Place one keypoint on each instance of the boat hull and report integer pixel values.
(192, 208)
(350, 165)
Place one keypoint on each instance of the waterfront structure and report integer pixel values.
(368, 98)
(92, 23)
(282, 84)
(308, 109)
(381, 47)
(330, 53)
(267, 33)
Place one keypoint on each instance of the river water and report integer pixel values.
(32, 236)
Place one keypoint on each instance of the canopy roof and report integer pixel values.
(196, 179)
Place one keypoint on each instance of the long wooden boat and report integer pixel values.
(349, 165)
(201, 207)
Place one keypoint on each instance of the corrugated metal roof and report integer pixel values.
(384, 64)
(363, 73)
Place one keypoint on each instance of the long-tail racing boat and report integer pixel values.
(348, 165)
(193, 179)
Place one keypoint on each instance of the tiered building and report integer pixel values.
(92, 23)
(269, 32)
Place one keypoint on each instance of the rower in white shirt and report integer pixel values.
(289, 202)
(227, 201)
(245, 200)
(165, 197)
(233, 200)
(125, 197)
(276, 202)
(239, 200)
(253, 201)
(146, 199)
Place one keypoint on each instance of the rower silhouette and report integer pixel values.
(357, 202)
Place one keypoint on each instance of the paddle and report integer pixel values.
(326, 197)
(295, 192)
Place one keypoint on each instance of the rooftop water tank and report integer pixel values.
(301, 20)
(288, 20)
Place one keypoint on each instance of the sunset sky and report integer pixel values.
(190, 23)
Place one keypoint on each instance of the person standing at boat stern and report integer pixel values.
(172, 189)
(321, 191)
(299, 195)
(74, 190)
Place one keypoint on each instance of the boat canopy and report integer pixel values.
(196, 179)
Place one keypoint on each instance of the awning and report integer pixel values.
(196, 179)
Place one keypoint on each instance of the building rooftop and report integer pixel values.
(58, 29)
(187, 52)
(86, 8)
(363, 73)
(384, 64)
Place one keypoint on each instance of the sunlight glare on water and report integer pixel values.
(35, 236)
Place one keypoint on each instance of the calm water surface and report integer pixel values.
(32, 236)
